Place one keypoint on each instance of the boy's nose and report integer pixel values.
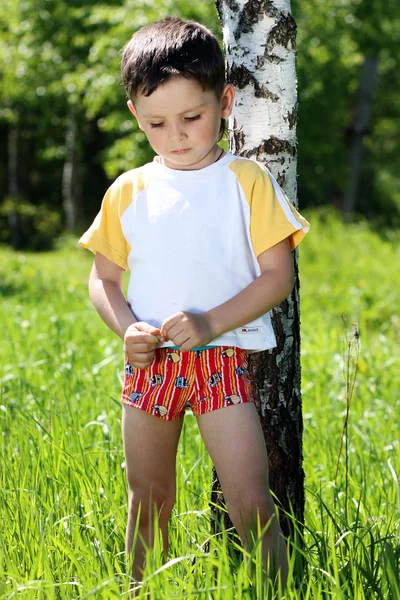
(177, 133)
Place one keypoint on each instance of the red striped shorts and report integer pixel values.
(202, 380)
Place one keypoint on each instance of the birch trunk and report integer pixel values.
(357, 131)
(69, 175)
(260, 49)
(13, 187)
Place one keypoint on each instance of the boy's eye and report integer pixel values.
(190, 119)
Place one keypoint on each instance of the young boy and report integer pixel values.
(207, 237)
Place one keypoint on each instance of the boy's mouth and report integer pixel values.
(180, 151)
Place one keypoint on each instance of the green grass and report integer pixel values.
(63, 496)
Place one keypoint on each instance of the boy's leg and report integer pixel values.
(234, 439)
(150, 446)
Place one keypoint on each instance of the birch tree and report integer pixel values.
(260, 47)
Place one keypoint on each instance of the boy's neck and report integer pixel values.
(219, 156)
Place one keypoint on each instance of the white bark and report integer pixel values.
(266, 106)
(260, 50)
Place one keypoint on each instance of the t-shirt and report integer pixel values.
(191, 238)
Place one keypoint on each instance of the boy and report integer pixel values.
(207, 237)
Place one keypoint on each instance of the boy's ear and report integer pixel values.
(133, 111)
(227, 100)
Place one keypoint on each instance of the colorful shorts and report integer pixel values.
(202, 380)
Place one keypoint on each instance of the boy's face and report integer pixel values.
(182, 121)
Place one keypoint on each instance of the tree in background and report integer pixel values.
(334, 39)
(64, 134)
(260, 46)
(63, 113)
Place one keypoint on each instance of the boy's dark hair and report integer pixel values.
(168, 48)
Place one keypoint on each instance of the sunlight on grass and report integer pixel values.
(63, 492)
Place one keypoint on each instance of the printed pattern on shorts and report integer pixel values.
(203, 380)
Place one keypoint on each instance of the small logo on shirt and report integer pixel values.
(250, 329)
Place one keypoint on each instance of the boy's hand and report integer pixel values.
(140, 343)
(188, 330)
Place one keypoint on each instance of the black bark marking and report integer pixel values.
(281, 178)
(239, 76)
(272, 145)
(283, 33)
(252, 13)
(292, 117)
(274, 58)
(262, 92)
(238, 136)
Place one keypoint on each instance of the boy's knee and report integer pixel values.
(152, 498)
(251, 508)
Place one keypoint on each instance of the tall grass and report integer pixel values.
(63, 496)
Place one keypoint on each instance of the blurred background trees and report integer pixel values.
(65, 131)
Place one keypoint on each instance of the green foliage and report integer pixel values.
(63, 494)
(38, 227)
(333, 40)
(59, 56)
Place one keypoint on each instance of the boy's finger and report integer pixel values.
(158, 335)
(171, 329)
(141, 360)
(140, 348)
(141, 338)
(164, 329)
(168, 323)
(146, 327)
(186, 346)
(181, 338)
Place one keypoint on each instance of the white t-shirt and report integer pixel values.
(191, 238)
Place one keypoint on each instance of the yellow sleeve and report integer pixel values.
(272, 216)
(105, 235)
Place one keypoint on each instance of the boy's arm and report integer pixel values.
(105, 290)
(140, 339)
(188, 330)
(267, 291)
